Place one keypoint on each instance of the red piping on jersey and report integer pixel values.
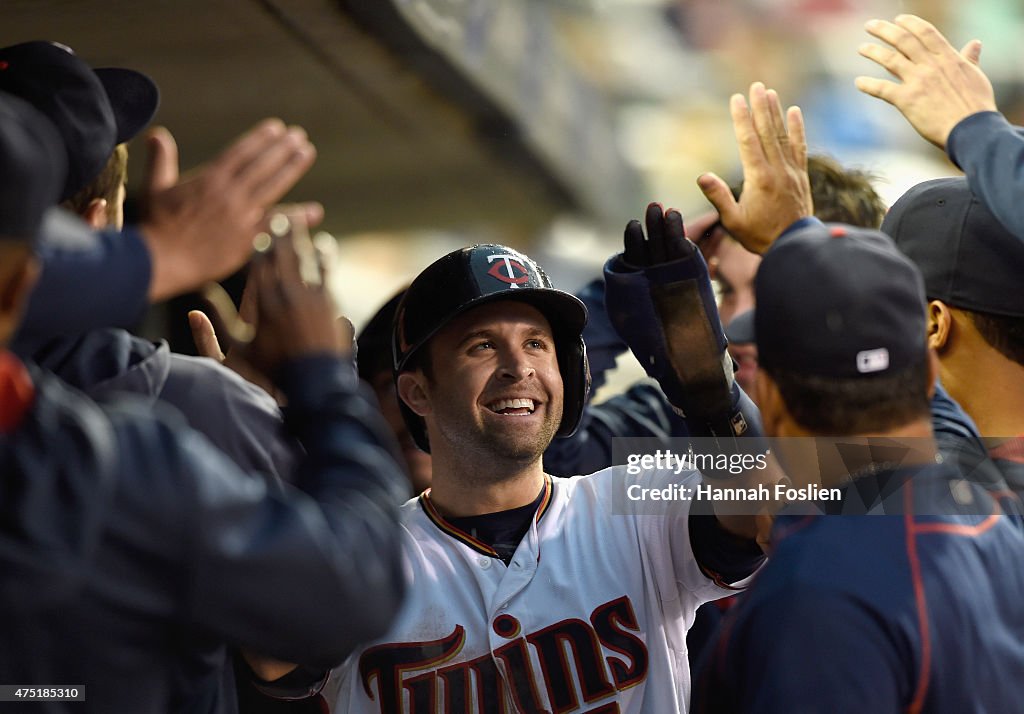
(1011, 450)
(1003, 494)
(478, 545)
(952, 529)
(545, 500)
(718, 580)
(16, 391)
(438, 520)
(922, 605)
(915, 529)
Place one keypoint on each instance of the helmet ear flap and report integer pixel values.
(575, 384)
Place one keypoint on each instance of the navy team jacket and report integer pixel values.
(132, 551)
(918, 610)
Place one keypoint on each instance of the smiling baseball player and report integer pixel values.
(527, 593)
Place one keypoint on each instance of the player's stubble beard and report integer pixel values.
(521, 445)
(502, 446)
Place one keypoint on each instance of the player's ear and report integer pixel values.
(940, 324)
(96, 214)
(412, 391)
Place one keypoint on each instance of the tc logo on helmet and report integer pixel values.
(509, 270)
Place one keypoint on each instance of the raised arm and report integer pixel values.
(197, 228)
(949, 100)
(319, 570)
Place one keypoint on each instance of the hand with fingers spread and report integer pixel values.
(203, 334)
(665, 240)
(293, 318)
(938, 86)
(776, 189)
(200, 227)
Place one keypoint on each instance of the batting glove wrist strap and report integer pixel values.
(667, 315)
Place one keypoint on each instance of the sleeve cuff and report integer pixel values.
(723, 557)
(798, 225)
(966, 132)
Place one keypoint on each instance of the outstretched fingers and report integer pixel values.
(676, 244)
(767, 116)
(249, 146)
(161, 168)
(234, 332)
(972, 52)
(265, 162)
(899, 38)
(272, 174)
(797, 137)
(204, 336)
(889, 59)
(717, 191)
(634, 251)
(925, 34)
(655, 220)
(747, 140)
(878, 88)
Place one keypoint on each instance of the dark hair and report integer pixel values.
(105, 186)
(855, 405)
(843, 195)
(1002, 333)
(840, 195)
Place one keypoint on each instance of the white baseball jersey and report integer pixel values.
(589, 616)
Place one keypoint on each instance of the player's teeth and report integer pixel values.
(503, 404)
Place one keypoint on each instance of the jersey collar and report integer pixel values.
(479, 546)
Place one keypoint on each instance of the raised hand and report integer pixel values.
(200, 227)
(665, 240)
(294, 318)
(776, 189)
(302, 216)
(938, 86)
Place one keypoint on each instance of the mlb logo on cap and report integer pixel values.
(873, 360)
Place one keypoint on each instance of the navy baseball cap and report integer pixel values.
(374, 340)
(32, 168)
(838, 301)
(93, 111)
(968, 259)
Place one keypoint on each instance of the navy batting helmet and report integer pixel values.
(474, 276)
